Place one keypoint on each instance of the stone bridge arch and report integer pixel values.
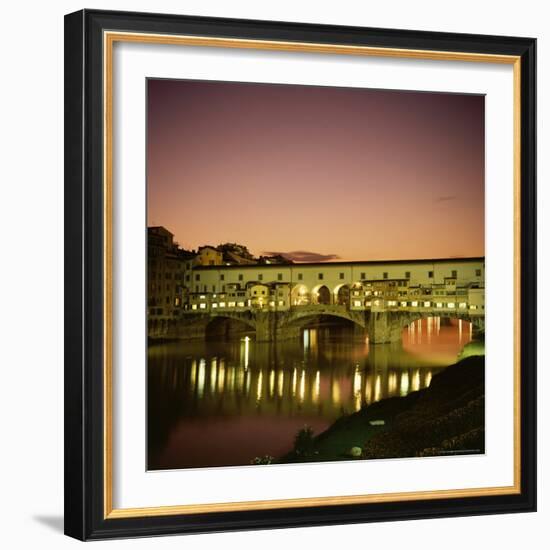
(477, 321)
(228, 323)
(291, 323)
(306, 314)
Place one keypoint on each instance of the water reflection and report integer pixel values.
(222, 403)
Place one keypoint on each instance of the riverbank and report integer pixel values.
(448, 417)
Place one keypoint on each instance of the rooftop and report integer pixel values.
(345, 264)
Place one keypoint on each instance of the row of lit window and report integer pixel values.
(223, 305)
(394, 303)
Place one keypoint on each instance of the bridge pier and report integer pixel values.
(384, 327)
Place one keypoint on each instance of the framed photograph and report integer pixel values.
(300, 274)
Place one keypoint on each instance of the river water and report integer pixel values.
(223, 403)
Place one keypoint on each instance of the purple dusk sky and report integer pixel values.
(330, 173)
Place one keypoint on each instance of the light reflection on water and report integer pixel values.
(222, 403)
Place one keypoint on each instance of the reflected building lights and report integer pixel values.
(428, 379)
(213, 374)
(368, 390)
(201, 377)
(336, 391)
(221, 376)
(246, 351)
(247, 378)
(271, 383)
(392, 383)
(357, 380)
(280, 382)
(316, 387)
(357, 383)
(404, 386)
(302, 393)
(313, 338)
(415, 386)
(377, 388)
(259, 387)
(194, 374)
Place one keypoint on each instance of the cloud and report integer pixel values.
(304, 256)
(446, 198)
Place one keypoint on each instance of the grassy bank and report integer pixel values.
(448, 417)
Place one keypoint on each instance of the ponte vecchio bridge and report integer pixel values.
(276, 301)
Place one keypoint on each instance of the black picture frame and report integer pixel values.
(84, 276)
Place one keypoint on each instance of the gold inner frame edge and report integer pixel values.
(109, 39)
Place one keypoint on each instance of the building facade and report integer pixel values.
(436, 284)
(167, 267)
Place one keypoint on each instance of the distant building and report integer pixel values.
(167, 267)
(208, 255)
(236, 254)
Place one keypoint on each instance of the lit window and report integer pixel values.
(403, 304)
(451, 305)
(281, 303)
(202, 306)
(202, 296)
(462, 305)
(439, 304)
(414, 304)
(368, 304)
(222, 304)
(240, 304)
(357, 303)
(426, 304)
(194, 306)
(231, 304)
(214, 306)
(271, 304)
(473, 307)
(376, 302)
